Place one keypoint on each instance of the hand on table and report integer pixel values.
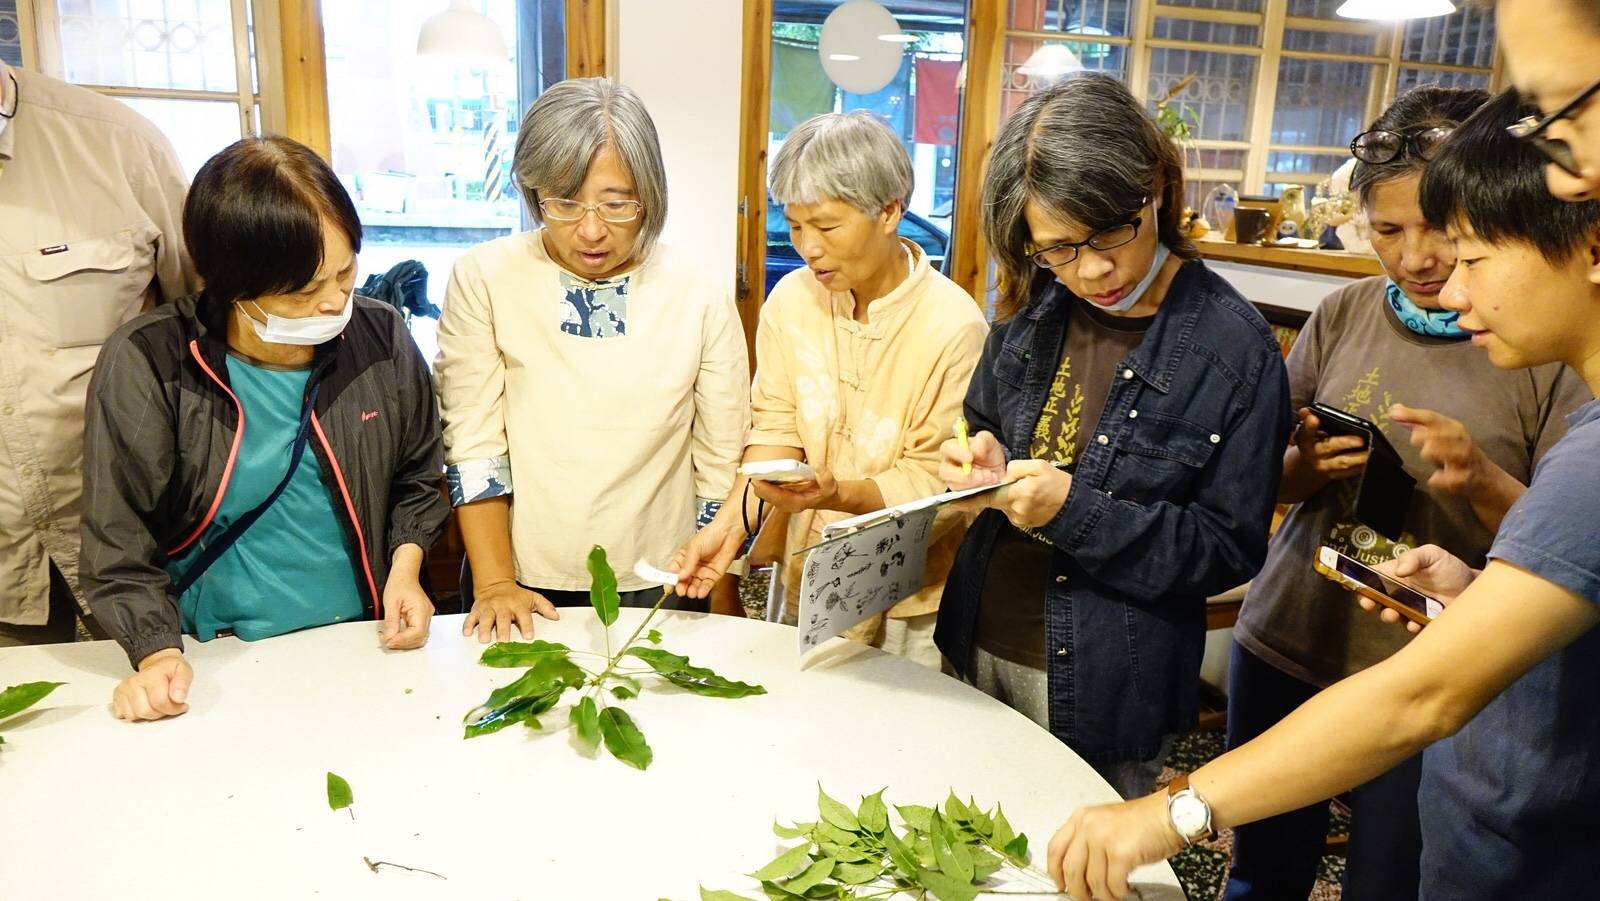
(1092, 855)
(407, 613)
(498, 606)
(159, 689)
(1429, 569)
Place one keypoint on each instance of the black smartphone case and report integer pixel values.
(1383, 496)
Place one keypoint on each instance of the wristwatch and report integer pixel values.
(1190, 814)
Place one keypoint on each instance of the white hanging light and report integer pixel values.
(1395, 10)
(464, 34)
(1050, 62)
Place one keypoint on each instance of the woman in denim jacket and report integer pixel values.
(1140, 407)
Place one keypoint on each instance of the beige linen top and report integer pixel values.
(604, 408)
(870, 400)
(91, 201)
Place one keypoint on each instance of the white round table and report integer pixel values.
(229, 800)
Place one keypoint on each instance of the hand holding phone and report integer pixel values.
(782, 471)
(1373, 585)
(1331, 456)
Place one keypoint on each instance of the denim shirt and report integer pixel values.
(1170, 503)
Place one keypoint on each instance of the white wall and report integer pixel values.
(683, 57)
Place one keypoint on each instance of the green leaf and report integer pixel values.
(521, 653)
(946, 887)
(828, 832)
(1017, 850)
(339, 795)
(982, 823)
(680, 672)
(653, 636)
(955, 810)
(905, 859)
(18, 698)
(985, 865)
(846, 853)
(585, 718)
(872, 813)
(857, 873)
(798, 830)
(953, 859)
(785, 864)
(603, 594)
(623, 738)
(835, 813)
(813, 876)
(718, 895)
(916, 816)
(623, 692)
(517, 712)
(546, 675)
(1003, 832)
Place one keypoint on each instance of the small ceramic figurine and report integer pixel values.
(1192, 224)
(1292, 209)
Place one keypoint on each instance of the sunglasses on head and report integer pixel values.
(1382, 146)
(1532, 129)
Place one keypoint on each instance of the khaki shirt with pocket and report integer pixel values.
(91, 202)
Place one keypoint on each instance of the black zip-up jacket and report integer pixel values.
(164, 429)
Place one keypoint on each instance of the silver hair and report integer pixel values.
(852, 157)
(1086, 151)
(568, 125)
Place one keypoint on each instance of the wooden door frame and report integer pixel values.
(980, 123)
(755, 106)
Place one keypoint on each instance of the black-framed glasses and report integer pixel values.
(618, 211)
(1382, 146)
(1105, 239)
(1532, 130)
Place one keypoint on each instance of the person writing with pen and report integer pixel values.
(1140, 408)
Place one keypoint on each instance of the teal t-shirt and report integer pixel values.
(292, 569)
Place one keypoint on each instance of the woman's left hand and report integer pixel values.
(793, 497)
(1092, 855)
(1036, 493)
(407, 613)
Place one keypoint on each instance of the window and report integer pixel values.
(920, 103)
(1273, 89)
(187, 65)
(423, 142)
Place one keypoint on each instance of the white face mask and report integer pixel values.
(306, 331)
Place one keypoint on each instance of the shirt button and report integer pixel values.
(1216, 439)
(1060, 579)
(1127, 374)
(1102, 440)
(1133, 414)
(1061, 652)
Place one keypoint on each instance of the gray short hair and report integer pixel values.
(852, 157)
(568, 125)
(1088, 152)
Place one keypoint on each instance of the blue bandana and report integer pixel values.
(1428, 323)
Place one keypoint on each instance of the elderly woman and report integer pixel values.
(1384, 348)
(1139, 404)
(586, 368)
(862, 359)
(264, 457)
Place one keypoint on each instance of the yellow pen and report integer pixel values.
(963, 439)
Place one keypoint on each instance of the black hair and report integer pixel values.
(1419, 109)
(253, 218)
(1484, 178)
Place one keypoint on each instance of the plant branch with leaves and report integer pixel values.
(952, 854)
(552, 672)
(18, 698)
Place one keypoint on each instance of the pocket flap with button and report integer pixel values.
(112, 253)
(1172, 438)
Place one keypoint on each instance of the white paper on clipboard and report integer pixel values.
(858, 575)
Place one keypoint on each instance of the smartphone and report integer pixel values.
(1368, 582)
(778, 471)
(1335, 421)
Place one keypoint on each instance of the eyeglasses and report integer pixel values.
(1382, 146)
(1532, 130)
(1105, 239)
(562, 210)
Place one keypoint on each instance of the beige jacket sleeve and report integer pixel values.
(471, 378)
(721, 402)
(773, 420)
(160, 192)
(915, 474)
